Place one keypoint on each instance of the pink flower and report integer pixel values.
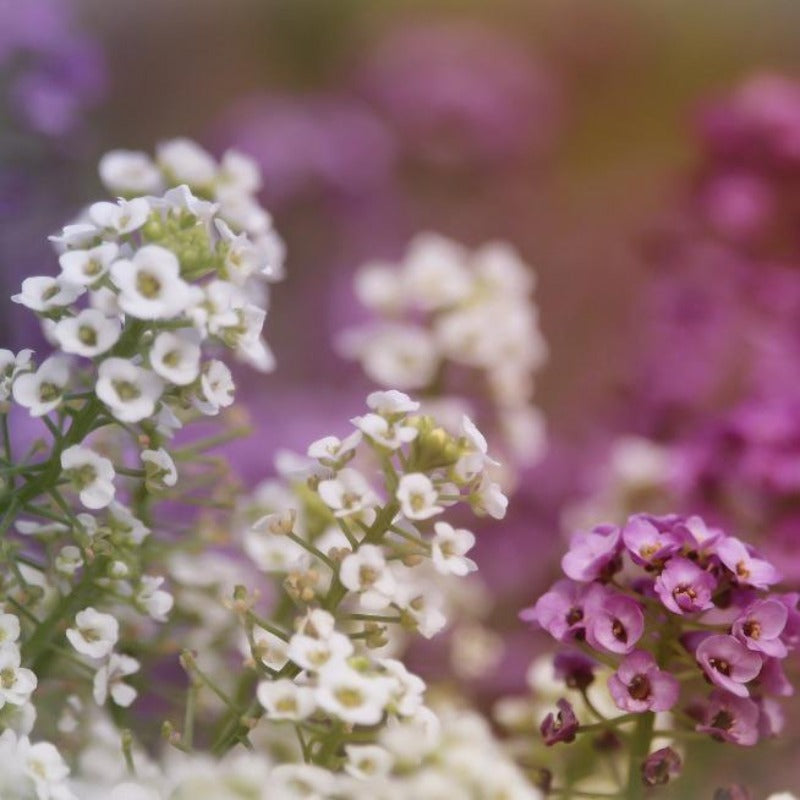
(685, 588)
(760, 627)
(728, 663)
(730, 718)
(747, 567)
(639, 685)
(593, 554)
(614, 622)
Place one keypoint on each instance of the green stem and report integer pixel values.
(640, 739)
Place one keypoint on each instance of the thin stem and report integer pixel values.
(639, 742)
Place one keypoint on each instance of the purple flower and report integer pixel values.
(660, 766)
(728, 663)
(560, 727)
(747, 567)
(685, 588)
(562, 610)
(639, 685)
(575, 669)
(760, 626)
(593, 554)
(649, 543)
(730, 718)
(772, 679)
(771, 721)
(614, 622)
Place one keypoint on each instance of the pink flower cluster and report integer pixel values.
(675, 606)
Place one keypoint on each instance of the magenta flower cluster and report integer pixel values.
(687, 615)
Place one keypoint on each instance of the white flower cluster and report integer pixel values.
(452, 756)
(28, 771)
(443, 306)
(147, 284)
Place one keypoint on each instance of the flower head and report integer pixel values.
(639, 684)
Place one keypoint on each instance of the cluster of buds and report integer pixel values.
(686, 619)
(443, 308)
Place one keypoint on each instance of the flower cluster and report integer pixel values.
(443, 310)
(673, 607)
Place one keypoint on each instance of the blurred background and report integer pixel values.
(591, 135)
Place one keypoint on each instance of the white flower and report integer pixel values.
(88, 334)
(242, 257)
(79, 235)
(474, 458)
(151, 286)
(391, 402)
(434, 273)
(352, 696)
(378, 287)
(11, 366)
(332, 450)
(41, 391)
(186, 162)
(418, 496)
(181, 200)
(94, 634)
(269, 649)
(489, 499)
(271, 553)
(216, 388)
(44, 765)
(69, 560)
(366, 571)
(124, 216)
(160, 468)
(284, 699)
(123, 522)
(408, 689)
(129, 391)
(129, 172)
(108, 680)
(367, 761)
(16, 683)
(301, 782)
(383, 432)
(347, 494)
(449, 548)
(175, 357)
(239, 172)
(9, 629)
(313, 652)
(85, 267)
(43, 293)
(156, 602)
(395, 355)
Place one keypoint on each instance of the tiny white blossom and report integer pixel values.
(240, 172)
(489, 499)
(122, 521)
(435, 274)
(12, 365)
(391, 402)
(85, 267)
(284, 699)
(94, 634)
(332, 449)
(160, 468)
(69, 560)
(378, 287)
(216, 388)
(271, 553)
(408, 689)
(124, 216)
(384, 432)
(44, 765)
(44, 293)
(348, 494)
(366, 572)
(313, 652)
(16, 682)
(449, 548)
(242, 257)
(129, 172)
(186, 162)
(9, 629)
(475, 457)
(109, 680)
(150, 284)
(154, 601)
(367, 761)
(418, 496)
(80, 234)
(269, 649)
(175, 357)
(41, 391)
(89, 334)
(352, 696)
(130, 392)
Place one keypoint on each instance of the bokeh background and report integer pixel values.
(570, 128)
